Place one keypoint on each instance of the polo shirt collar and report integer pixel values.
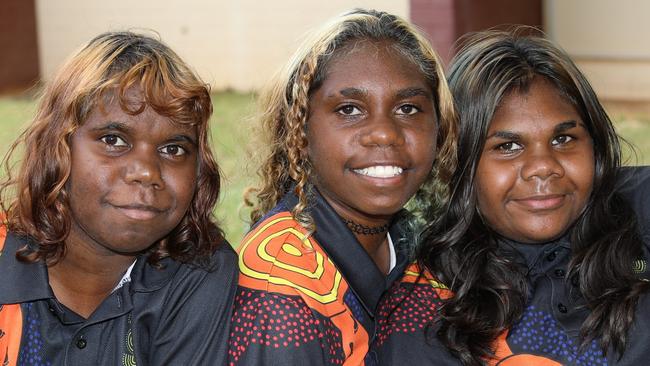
(21, 282)
(347, 254)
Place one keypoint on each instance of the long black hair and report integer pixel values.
(489, 288)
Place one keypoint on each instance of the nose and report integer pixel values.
(542, 163)
(383, 131)
(143, 167)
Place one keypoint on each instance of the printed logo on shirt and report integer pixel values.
(639, 266)
(128, 358)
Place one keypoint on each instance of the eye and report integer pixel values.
(407, 109)
(561, 140)
(349, 110)
(113, 140)
(509, 147)
(173, 150)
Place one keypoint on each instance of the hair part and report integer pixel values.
(285, 108)
(35, 199)
(490, 288)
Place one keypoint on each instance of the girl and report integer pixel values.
(543, 256)
(355, 120)
(109, 254)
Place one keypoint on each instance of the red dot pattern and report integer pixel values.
(407, 308)
(274, 324)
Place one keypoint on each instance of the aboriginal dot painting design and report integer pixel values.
(281, 265)
(31, 351)
(270, 320)
(410, 306)
(539, 333)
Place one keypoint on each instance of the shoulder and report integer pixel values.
(221, 273)
(633, 181)
(634, 187)
(278, 240)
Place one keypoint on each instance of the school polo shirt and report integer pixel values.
(308, 300)
(177, 315)
(548, 332)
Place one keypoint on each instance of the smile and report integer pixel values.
(380, 171)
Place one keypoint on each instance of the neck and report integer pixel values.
(83, 278)
(377, 248)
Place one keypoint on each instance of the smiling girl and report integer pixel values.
(110, 255)
(540, 258)
(355, 123)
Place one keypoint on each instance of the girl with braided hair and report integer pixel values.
(360, 120)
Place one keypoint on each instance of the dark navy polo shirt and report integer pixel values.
(177, 315)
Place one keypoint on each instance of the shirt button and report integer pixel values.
(562, 308)
(81, 343)
(559, 273)
(551, 256)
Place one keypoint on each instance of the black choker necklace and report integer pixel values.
(363, 229)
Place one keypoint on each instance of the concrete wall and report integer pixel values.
(609, 42)
(231, 44)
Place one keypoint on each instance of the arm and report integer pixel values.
(276, 329)
(634, 187)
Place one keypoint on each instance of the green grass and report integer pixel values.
(233, 136)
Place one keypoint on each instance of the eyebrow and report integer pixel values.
(353, 92)
(125, 128)
(561, 127)
(506, 135)
(566, 126)
(112, 126)
(413, 92)
(183, 138)
(401, 94)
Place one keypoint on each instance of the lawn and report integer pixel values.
(233, 135)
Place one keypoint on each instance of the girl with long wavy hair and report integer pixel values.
(540, 257)
(360, 120)
(109, 252)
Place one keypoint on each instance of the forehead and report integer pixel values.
(135, 113)
(366, 61)
(539, 105)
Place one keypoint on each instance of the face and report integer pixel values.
(132, 178)
(371, 132)
(536, 171)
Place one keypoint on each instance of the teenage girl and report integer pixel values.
(542, 255)
(357, 121)
(109, 254)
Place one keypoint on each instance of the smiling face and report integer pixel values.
(536, 171)
(371, 132)
(132, 178)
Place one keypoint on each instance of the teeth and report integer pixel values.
(380, 171)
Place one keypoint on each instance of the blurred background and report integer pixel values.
(236, 46)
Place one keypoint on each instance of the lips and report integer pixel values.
(139, 211)
(542, 202)
(380, 171)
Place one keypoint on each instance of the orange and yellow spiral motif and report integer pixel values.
(280, 257)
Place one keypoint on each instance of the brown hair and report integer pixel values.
(108, 66)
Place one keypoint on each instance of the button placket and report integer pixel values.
(81, 342)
